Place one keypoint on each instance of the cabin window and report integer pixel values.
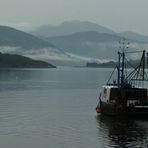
(105, 92)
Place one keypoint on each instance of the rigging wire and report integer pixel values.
(111, 75)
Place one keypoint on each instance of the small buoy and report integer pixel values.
(98, 109)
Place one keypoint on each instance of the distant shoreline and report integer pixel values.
(110, 64)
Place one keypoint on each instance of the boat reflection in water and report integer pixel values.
(122, 132)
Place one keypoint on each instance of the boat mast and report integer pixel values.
(143, 68)
(121, 61)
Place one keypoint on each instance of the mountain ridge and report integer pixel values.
(16, 38)
(70, 27)
(77, 47)
(134, 36)
(89, 43)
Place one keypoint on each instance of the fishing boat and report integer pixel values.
(127, 94)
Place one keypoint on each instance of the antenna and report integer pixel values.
(123, 44)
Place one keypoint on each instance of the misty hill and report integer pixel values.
(86, 36)
(91, 43)
(97, 45)
(17, 61)
(70, 27)
(14, 41)
(72, 49)
(16, 38)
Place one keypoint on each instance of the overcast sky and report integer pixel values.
(119, 15)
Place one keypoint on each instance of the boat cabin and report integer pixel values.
(130, 96)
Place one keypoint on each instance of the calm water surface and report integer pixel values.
(42, 108)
